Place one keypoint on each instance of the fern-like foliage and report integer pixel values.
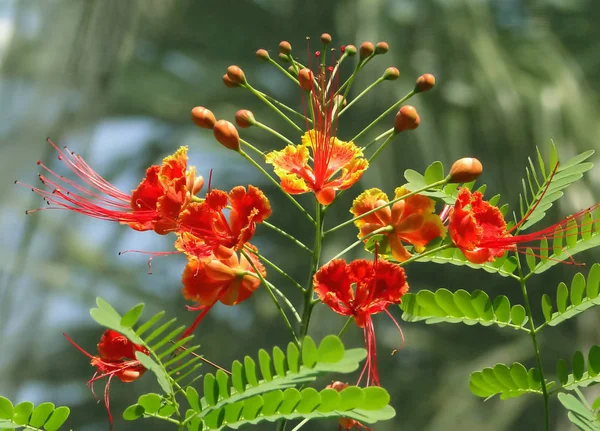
(504, 266)
(434, 173)
(578, 376)
(574, 300)
(579, 414)
(508, 382)
(462, 307)
(25, 415)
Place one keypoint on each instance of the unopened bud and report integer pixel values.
(326, 196)
(326, 38)
(292, 70)
(350, 50)
(366, 50)
(203, 117)
(284, 58)
(407, 118)
(465, 170)
(262, 54)
(425, 83)
(305, 77)
(197, 185)
(227, 135)
(381, 48)
(391, 74)
(236, 75)
(285, 47)
(338, 386)
(244, 118)
(228, 82)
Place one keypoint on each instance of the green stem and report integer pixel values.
(301, 424)
(365, 91)
(273, 132)
(284, 106)
(287, 302)
(260, 168)
(308, 293)
(273, 297)
(387, 111)
(265, 100)
(275, 267)
(392, 202)
(381, 147)
(283, 70)
(252, 147)
(288, 236)
(383, 135)
(346, 325)
(427, 253)
(534, 341)
(366, 237)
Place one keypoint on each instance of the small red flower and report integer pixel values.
(116, 358)
(410, 220)
(361, 289)
(346, 423)
(154, 205)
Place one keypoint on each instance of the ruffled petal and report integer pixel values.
(290, 164)
(367, 201)
(415, 204)
(333, 287)
(341, 154)
(351, 173)
(248, 208)
(398, 251)
(145, 196)
(429, 227)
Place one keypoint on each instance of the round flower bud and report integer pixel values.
(381, 48)
(244, 118)
(338, 386)
(292, 70)
(236, 75)
(326, 38)
(350, 50)
(391, 74)
(407, 118)
(285, 47)
(305, 77)
(284, 58)
(203, 117)
(465, 170)
(262, 54)
(425, 83)
(366, 50)
(227, 135)
(228, 82)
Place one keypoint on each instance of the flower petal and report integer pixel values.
(290, 165)
(248, 208)
(333, 286)
(367, 201)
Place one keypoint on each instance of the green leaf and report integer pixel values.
(579, 414)
(415, 179)
(330, 349)
(506, 382)
(133, 412)
(504, 266)
(22, 413)
(132, 316)
(41, 414)
(6, 408)
(159, 372)
(309, 353)
(193, 399)
(150, 402)
(434, 173)
(579, 377)
(57, 418)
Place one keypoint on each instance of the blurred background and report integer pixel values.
(115, 81)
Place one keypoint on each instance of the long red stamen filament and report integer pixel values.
(77, 346)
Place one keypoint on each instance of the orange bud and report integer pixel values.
(227, 135)
(381, 48)
(338, 386)
(326, 195)
(203, 117)
(236, 75)
(391, 74)
(465, 170)
(350, 50)
(244, 118)
(407, 118)
(285, 47)
(326, 38)
(305, 77)
(366, 50)
(425, 83)
(262, 54)
(228, 82)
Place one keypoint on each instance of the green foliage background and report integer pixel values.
(115, 81)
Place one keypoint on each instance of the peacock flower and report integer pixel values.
(155, 204)
(361, 289)
(116, 358)
(229, 280)
(410, 220)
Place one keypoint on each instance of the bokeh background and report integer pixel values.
(115, 81)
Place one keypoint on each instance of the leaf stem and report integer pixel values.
(275, 267)
(365, 91)
(381, 147)
(273, 107)
(273, 132)
(361, 240)
(427, 253)
(346, 325)
(301, 424)
(288, 236)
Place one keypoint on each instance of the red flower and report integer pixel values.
(205, 229)
(117, 358)
(345, 423)
(411, 220)
(377, 285)
(154, 205)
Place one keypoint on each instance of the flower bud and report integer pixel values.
(407, 118)
(350, 50)
(244, 118)
(236, 75)
(292, 70)
(465, 170)
(391, 74)
(203, 117)
(366, 50)
(326, 38)
(285, 47)
(381, 48)
(305, 77)
(228, 82)
(326, 196)
(227, 135)
(284, 58)
(262, 54)
(338, 386)
(425, 83)
(197, 185)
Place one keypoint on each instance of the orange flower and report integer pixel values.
(205, 229)
(376, 285)
(410, 220)
(154, 205)
(331, 156)
(117, 358)
(230, 280)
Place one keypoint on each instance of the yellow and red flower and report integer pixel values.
(376, 286)
(154, 205)
(116, 358)
(410, 220)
